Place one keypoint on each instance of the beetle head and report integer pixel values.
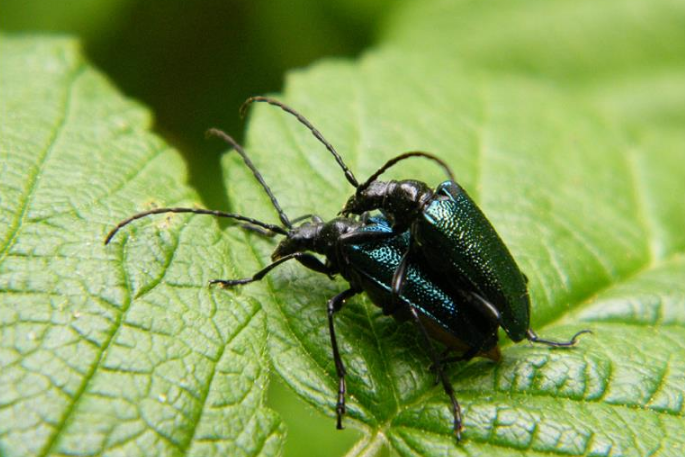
(306, 237)
(319, 237)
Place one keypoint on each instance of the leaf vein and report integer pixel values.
(33, 175)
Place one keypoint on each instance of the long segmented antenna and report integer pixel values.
(227, 138)
(348, 173)
(270, 227)
(401, 157)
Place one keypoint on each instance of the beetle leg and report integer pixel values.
(307, 260)
(359, 237)
(444, 360)
(313, 263)
(487, 307)
(364, 218)
(533, 338)
(334, 305)
(397, 284)
(446, 384)
(468, 355)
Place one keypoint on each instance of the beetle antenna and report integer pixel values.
(348, 173)
(534, 338)
(264, 225)
(390, 163)
(227, 138)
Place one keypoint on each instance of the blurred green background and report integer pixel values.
(193, 64)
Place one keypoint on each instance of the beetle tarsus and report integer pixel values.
(456, 409)
(340, 406)
(534, 338)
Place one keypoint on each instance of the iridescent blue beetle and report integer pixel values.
(450, 235)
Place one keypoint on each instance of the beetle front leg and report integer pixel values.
(359, 237)
(334, 305)
(398, 280)
(305, 259)
(440, 372)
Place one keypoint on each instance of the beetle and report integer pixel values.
(445, 313)
(449, 233)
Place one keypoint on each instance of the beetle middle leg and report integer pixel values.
(440, 372)
(398, 280)
(360, 237)
(334, 305)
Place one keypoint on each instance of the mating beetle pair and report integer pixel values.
(431, 256)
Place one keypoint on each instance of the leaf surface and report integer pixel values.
(118, 349)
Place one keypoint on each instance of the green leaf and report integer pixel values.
(124, 350)
(593, 216)
(119, 349)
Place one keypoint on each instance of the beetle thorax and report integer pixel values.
(400, 200)
(404, 200)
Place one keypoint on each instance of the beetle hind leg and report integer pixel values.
(465, 357)
(304, 258)
(441, 375)
(534, 338)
